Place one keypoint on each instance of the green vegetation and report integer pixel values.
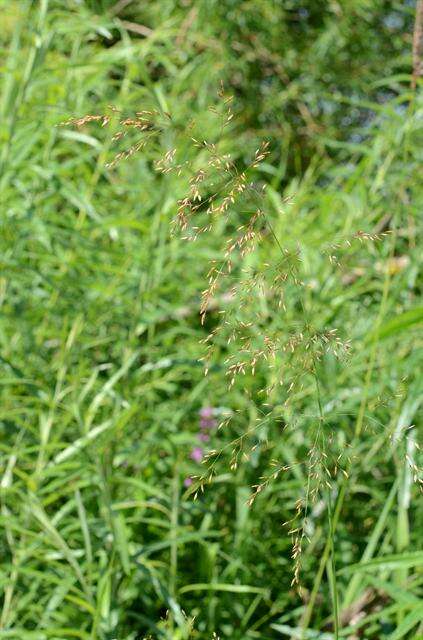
(101, 340)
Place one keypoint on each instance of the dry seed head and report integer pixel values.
(219, 191)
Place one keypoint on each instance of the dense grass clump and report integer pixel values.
(221, 188)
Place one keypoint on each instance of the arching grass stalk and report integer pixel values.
(214, 187)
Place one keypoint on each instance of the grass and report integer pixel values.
(100, 332)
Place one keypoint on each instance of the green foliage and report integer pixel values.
(100, 335)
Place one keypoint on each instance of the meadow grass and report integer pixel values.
(102, 339)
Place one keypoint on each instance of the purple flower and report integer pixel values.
(206, 412)
(207, 420)
(207, 423)
(197, 454)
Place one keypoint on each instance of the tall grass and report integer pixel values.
(101, 332)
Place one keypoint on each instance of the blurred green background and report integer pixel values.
(100, 332)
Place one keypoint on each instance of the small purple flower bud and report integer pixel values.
(187, 482)
(197, 454)
(203, 437)
(207, 423)
(206, 412)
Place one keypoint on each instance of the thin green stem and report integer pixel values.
(335, 592)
